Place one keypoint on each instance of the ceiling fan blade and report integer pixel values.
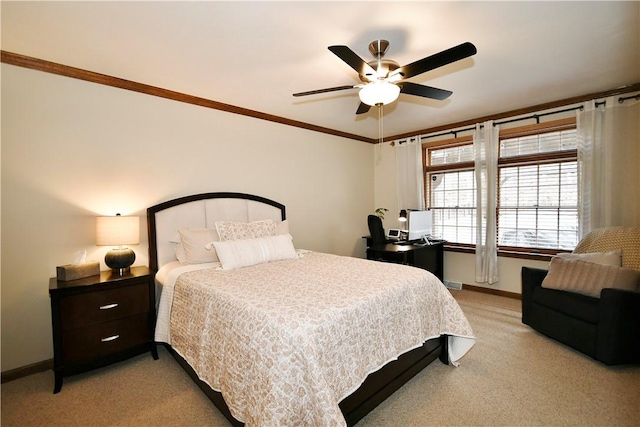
(363, 108)
(424, 91)
(440, 59)
(330, 89)
(353, 60)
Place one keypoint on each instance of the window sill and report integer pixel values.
(467, 249)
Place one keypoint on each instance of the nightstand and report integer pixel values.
(100, 320)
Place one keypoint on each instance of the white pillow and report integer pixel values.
(603, 258)
(244, 253)
(180, 255)
(228, 230)
(192, 250)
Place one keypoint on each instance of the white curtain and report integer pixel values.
(409, 174)
(609, 164)
(485, 147)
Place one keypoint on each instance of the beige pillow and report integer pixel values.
(228, 230)
(604, 258)
(192, 250)
(589, 278)
(282, 227)
(244, 253)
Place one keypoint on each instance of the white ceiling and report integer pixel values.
(255, 55)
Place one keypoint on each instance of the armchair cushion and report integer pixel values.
(572, 304)
(589, 278)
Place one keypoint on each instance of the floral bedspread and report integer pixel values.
(286, 341)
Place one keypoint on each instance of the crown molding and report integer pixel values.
(103, 79)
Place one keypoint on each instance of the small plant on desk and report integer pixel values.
(381, 211)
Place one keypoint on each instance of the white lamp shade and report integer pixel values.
(117, 230)
(379, 92)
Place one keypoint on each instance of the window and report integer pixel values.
(538, 187)
(537, 194)
(451, 185)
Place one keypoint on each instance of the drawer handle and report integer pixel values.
(109, 306)
(111, 338)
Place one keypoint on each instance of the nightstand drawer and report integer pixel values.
(103, 306)
(104, 339)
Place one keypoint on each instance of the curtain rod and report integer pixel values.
(621, 99)
(636, 97)
(532, 116)
(537, 116)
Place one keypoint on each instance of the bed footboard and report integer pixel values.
(383, 383)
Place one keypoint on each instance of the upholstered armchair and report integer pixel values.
(590, 299)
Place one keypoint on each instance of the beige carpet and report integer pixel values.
(512, 377)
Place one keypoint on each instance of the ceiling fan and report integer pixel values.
(383, 79)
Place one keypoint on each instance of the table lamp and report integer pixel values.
(118, 231)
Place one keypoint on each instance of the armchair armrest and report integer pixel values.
(531, 278)
(618, 327)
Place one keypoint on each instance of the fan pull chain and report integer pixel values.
(380, 124)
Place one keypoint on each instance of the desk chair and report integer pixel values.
(376, 230)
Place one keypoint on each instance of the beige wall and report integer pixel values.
(73, 150)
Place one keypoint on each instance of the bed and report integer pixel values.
(277, 335)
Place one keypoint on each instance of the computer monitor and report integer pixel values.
(418, 224)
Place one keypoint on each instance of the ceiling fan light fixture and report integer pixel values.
(379, 92)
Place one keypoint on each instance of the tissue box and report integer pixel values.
(77, 271)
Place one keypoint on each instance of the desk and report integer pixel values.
(428, 257)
